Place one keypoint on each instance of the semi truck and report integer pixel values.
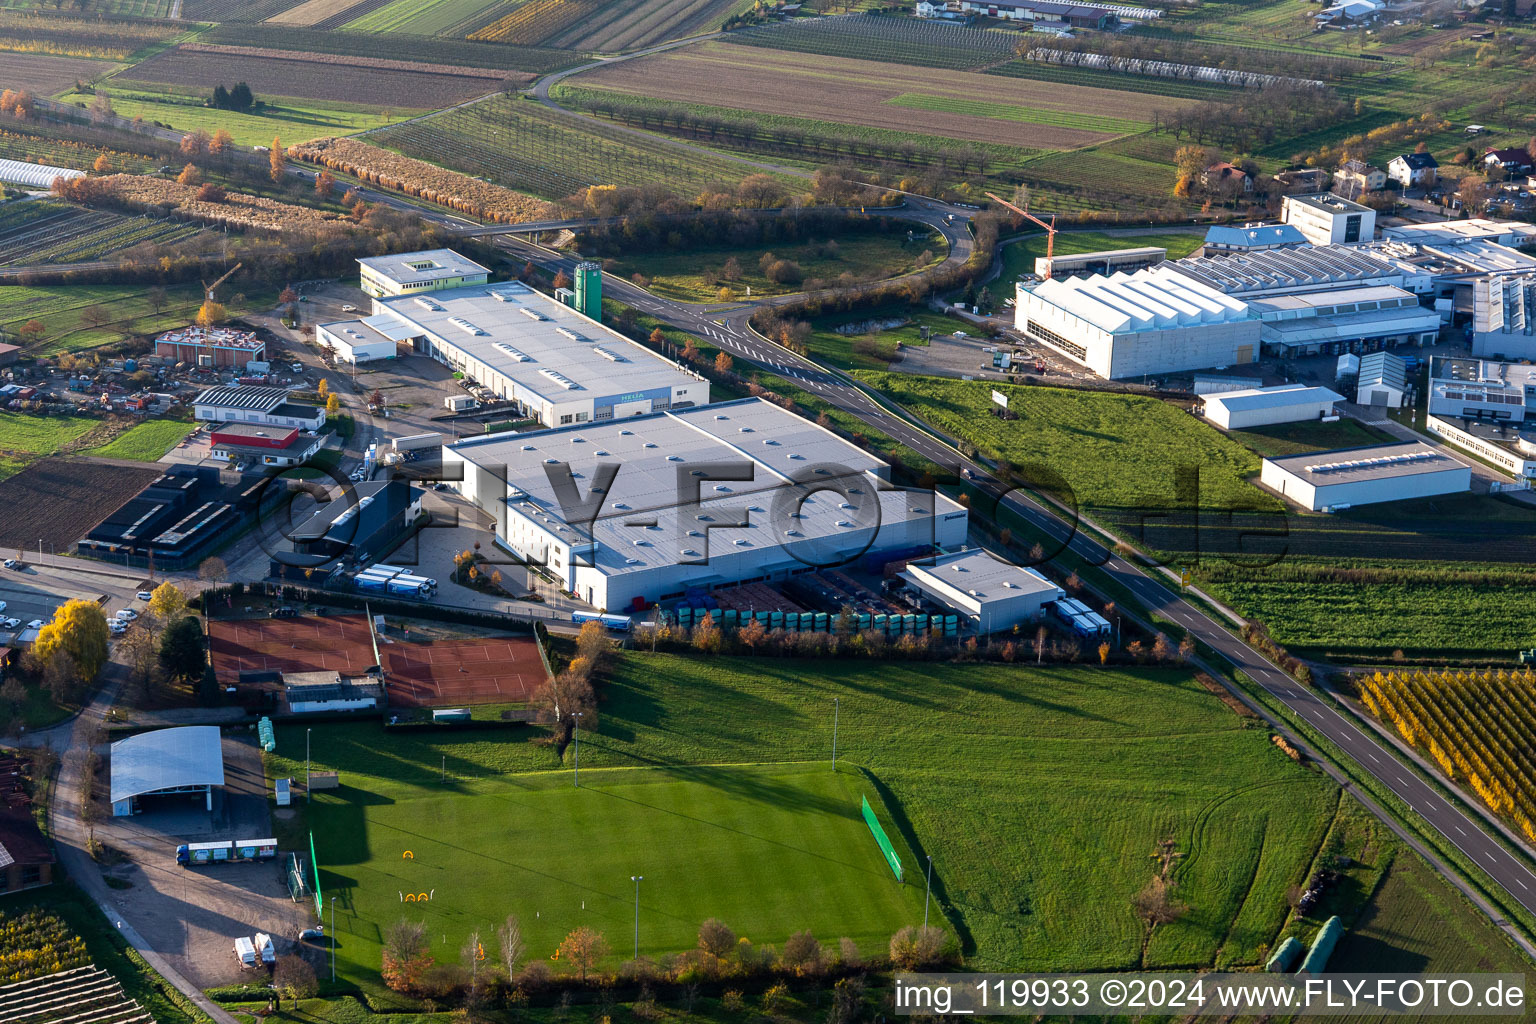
(617, 623)
(412, 442)
(192, 855)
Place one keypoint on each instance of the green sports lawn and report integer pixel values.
(1041, 795)
(145, 442)
(785, 843)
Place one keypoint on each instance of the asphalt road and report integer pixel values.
(729, 331)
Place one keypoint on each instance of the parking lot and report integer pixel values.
(33, 592)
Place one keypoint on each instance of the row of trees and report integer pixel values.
(1254, 118)
(503, 975)
(639, 230)
(239, 98)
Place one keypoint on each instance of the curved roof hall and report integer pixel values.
(167, 759)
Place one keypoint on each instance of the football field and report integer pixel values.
(768, 849)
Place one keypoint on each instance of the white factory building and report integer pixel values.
(1504, 317)
(1321, 481)
(367, 340)
(1149, 322)
(1486, 408)
(1326, 219)
(1263, 407)
(547, 359)
(698, 498)
(245, 403)
(1383, 381)
(994, 594)
(1451, 232)
(412, 273)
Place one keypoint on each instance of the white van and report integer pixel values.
(246, 952)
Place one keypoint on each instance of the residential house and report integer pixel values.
(1513, 161)
(1226, 177)
(1356, 177)
(1414, 170)
(1312, 179)
(26, 858)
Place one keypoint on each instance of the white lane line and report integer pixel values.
(1461, 830)
(1490, 857)
(1522, 885)
(1372, 757)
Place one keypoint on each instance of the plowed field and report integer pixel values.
(884, 96)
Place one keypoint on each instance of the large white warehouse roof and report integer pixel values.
(545, 346)
(1153, 299)
(167, 759)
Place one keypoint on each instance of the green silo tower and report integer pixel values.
(589, 290)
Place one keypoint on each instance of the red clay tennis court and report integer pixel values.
(472, 671)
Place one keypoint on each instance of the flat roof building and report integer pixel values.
(994, 594)
(166, 762)
(1504, 317)
(1108, 261)
(1128, 325)
(365, 340)
(245, 403)
(1363, 476)
(1475, 229)
(258, 444)
(635, 512)
(1260, 407)
(211, 346)
(412, 273)
(1327, 219)
(1338, 320)
(359, 524)
(1510, 445)
(554, 363)
(1482, 389)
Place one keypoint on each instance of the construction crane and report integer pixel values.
(1050, 229)
(208, 289)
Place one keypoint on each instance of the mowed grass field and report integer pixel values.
(1040, 794)
(680, 275)
(783, 848)
(40, 435)
(289, 119)
(1114, 451)
(145, 442)
(1019, 257)
(888, 96)
(60, 308)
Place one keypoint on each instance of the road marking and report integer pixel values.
(1461, 830)
(1522, 885)
(1490, 857)
(1372, 757)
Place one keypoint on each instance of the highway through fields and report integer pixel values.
(728, 330)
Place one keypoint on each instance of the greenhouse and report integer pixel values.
(19, 172)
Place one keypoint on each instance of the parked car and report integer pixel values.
(312, 934)
(11, 563)
(349, 308)
(35, 624)
(145, 595)
(9, 623)
(117, 627)
(127, 615)
(285, 612)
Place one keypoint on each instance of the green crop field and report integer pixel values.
(680, 275)
(415, 17)
(1019, 257)
(1072, 776)
(1114, 451)
(30, 434)
(291, 120)
(145, 442)
(60, 309)
(1416, 922)
(1009, 112)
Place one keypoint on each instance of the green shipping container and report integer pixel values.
(775, 620)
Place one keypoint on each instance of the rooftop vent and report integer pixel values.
(521, 357)
(608, 354)
(570, 334)
(465, 326)
(428, 304)
(558, 378)
(531, 314)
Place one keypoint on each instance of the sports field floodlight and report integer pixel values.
(928, 892)
(834, 733)
(333, 939)
(576, 761)
(307, 731)
(637, 879)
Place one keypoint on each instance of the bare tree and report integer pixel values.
(510, 934)
(213, 570)
(406, 955)
(716, 939)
